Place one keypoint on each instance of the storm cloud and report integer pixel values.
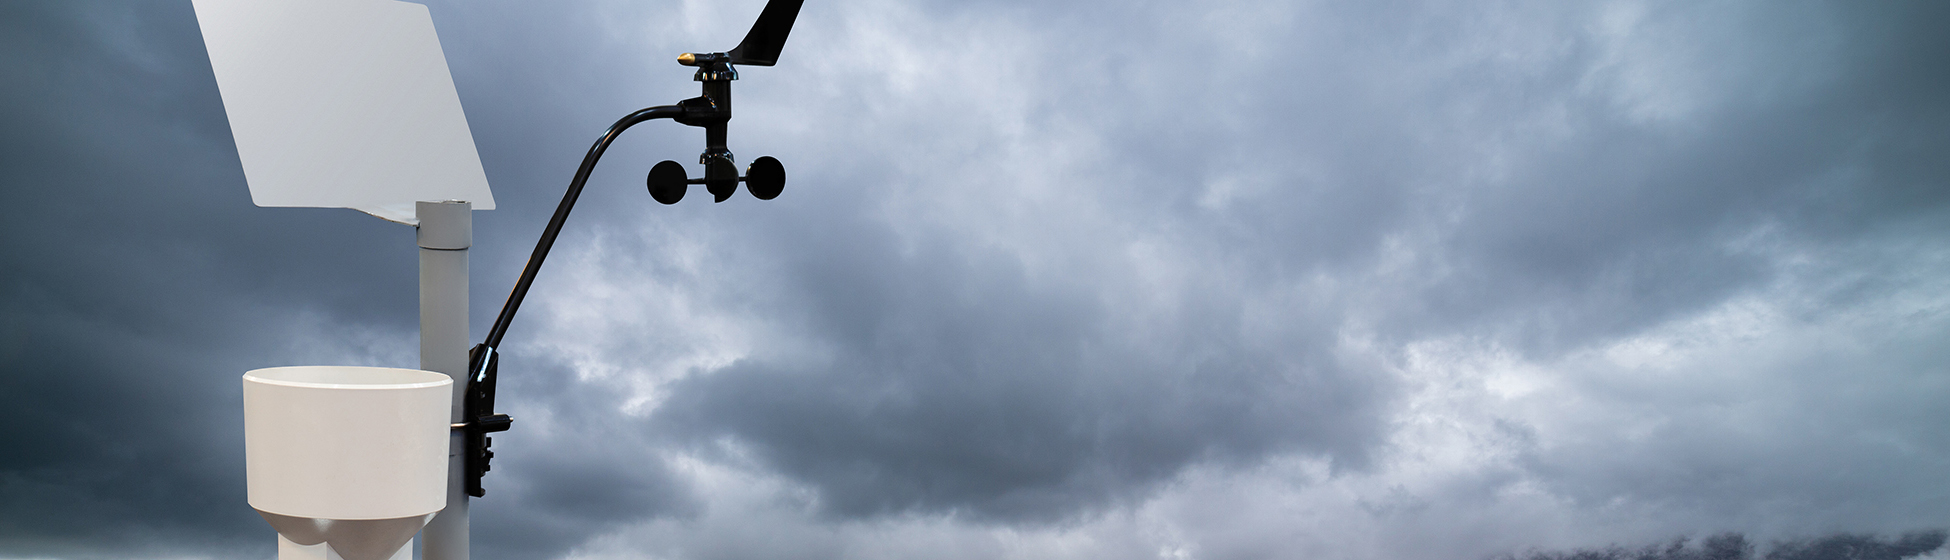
(1233, 279)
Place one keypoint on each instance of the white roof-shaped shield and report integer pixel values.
(342, 104)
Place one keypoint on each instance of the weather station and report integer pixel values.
(350, 104)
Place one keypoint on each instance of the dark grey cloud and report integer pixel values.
(1222, 279)
(954, 385)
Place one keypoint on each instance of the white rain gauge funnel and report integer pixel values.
(346, 462)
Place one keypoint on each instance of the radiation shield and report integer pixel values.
(342, 104)
(346, 462)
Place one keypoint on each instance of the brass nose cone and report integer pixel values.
(687, 59)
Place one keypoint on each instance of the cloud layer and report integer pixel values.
(1211, 280)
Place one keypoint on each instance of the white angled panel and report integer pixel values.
(341, 104)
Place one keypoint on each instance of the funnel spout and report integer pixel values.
(351, 539)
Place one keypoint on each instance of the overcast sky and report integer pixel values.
(1094, 280)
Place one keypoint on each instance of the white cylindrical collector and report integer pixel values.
(351, 456)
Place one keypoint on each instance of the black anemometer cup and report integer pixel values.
(765, 178)
(667, 181)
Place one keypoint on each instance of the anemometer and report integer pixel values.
(667, 182)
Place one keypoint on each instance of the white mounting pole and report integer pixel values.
(446, 231)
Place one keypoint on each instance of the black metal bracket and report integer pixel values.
(477, 408)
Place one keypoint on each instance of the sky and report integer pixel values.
(1227, 279)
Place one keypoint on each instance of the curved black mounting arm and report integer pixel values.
(568, 203)
(478, 405)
